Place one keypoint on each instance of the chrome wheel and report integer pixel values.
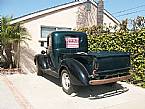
(66, 81)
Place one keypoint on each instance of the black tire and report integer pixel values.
(39, 70)
(67, 86)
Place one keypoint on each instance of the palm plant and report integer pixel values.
(19, 35)
(5, 40)
(10, 37)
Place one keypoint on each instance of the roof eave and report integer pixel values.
(38, 13)
(63, 6)
(116, 21)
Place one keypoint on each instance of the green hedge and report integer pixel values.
(126, 41)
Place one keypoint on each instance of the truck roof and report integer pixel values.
(69, 32)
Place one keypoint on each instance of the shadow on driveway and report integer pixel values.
(94, 92)
(101, 91)
(52, 79)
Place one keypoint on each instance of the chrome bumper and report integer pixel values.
(110, 80)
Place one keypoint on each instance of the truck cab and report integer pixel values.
(68, 59)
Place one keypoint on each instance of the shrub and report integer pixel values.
(122, 40)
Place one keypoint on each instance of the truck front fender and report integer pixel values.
(78, 72)
(41, 61)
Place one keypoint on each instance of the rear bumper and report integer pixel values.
(110, 80)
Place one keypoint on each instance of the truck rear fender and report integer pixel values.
(78, 73)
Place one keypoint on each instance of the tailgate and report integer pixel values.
(113, 64)
(112, 61)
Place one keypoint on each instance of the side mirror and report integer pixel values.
(43, 52)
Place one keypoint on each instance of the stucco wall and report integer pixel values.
(65, 18)
(61, 18)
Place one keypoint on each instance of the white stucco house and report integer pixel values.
(69, 16)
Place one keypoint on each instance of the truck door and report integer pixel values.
(51, 55)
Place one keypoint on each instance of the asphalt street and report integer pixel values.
(29, 91)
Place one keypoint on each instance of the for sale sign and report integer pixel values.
(72, 42)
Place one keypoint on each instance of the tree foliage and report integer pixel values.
(10, 37)
(124, 39)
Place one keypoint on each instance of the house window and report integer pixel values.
(63, 29)
(45, 31)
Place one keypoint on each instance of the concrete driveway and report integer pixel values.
(20, 91)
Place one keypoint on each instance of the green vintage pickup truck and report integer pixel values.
(68, 59)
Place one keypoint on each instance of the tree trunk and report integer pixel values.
(8, 49)
(18, 61)
(3, 57)
(16, 53)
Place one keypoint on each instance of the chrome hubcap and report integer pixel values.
(65, 81)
